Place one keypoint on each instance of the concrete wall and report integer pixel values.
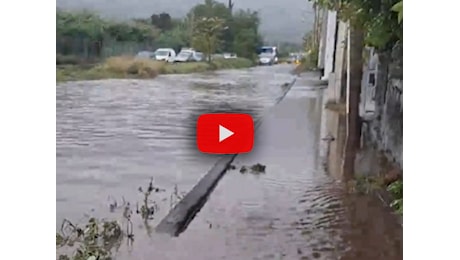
(330, 43)
(383, 128)
(322, 40)
(333, 122)
(381, 108)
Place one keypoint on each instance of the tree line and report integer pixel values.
(210, 27)
(380, 21)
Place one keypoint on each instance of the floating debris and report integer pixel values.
(259, 168)
(231, 167)
(255, 169)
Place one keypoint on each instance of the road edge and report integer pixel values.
(178, 218)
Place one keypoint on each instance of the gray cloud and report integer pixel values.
(282, 20)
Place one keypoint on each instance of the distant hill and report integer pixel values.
(282, 20)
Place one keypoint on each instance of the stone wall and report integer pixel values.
(383, 127)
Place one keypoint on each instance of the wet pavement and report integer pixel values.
(113, 135)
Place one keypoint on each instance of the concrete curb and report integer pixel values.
(183, 213)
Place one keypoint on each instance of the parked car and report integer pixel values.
(268, 55)
(188, 54)
(267, 59)
(198, 56)
(165, 54)
(145, 55)
(294, 59)
(230, 56)
(217, 56)
(184, 56)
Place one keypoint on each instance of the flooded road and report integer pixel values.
(292, 211)
(114, 135)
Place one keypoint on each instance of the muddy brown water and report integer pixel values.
(113, 135)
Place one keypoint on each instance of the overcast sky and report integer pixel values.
(282, 20)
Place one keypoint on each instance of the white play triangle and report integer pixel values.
(224, 133)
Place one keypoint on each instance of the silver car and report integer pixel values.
(145, 55)
(189, 55)
(267, 59)
(198, 56)
(184, 56)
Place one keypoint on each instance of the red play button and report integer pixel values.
(225, 133)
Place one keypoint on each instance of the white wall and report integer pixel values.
(340, 58)
(330, 43)
(322, 42)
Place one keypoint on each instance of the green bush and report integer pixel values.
(396, 191)
(66, 59)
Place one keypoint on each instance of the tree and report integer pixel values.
(378, 18)
(211, 8)
(239, 23)
(162, 21)
(238, 32)
(175, 38)
(398, 8)
(79, 33)
(230, 5)
(245, 42)
(245, 28)
(206, 34)
(131, 32)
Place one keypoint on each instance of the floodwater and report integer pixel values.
(114, 135)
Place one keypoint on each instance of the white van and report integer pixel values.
(165, 54)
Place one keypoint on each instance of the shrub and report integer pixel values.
(131, 66)
(66, 59)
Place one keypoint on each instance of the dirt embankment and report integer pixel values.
(130, 67)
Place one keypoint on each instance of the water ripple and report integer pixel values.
(109, 129)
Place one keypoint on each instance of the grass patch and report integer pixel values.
(130, 67)
(365, 184)
(396, 191)
(371, 184)
(236, 63)
(100, 239)
(77, 72)
(185, 68)
(114, 67)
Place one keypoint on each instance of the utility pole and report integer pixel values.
(315, 24)
(230, 5)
